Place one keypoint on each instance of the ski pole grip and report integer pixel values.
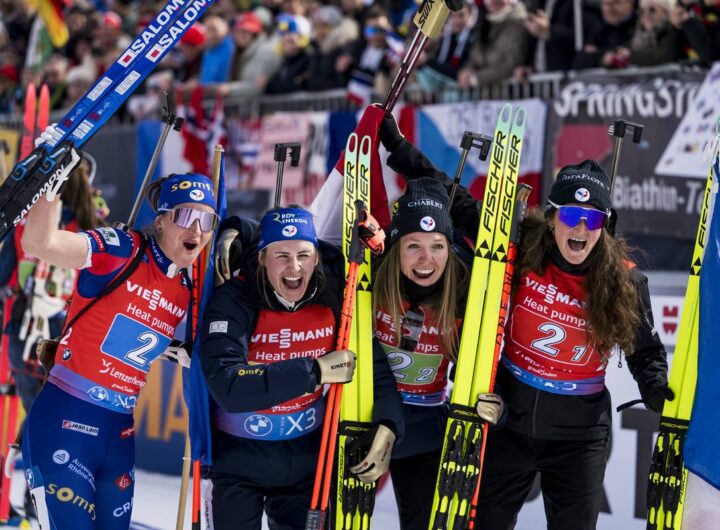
(432, 15)
(619, 128)
(282, 149)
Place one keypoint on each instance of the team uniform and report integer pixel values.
(559, 411)
(78, 446)
(258, 360)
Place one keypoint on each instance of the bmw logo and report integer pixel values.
(61, 456)
(582, 195)
(98, 393)
(289, 230)
(66, 354)
(427, 223)
(197, 195)
(30, 478)
(258, 425)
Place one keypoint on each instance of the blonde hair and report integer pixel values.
(387, 295)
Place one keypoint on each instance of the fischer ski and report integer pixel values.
(38, 172)
(461, 460)
(668, 477)
(355, 498)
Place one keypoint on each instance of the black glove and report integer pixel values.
(655, 396)
(389, 133)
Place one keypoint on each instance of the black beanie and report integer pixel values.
(585, 182)
(422, 208)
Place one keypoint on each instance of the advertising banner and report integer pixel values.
(647, 203)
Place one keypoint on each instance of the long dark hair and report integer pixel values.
(612, 299)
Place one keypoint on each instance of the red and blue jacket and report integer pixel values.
(104, 357)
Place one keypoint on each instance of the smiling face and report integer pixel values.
(181, 245)
(423, 257)
(289, 266)
(575, 243)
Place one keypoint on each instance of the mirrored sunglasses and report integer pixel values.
(185, 217)
(572, 215)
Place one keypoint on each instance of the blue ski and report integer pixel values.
(36, 174)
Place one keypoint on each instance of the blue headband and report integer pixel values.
(191, 188)
(286, 224)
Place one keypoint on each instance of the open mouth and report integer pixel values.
(576, 244)
(423, 274)
(292, 282)
(189, 245)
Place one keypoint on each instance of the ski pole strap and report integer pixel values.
(629, 404)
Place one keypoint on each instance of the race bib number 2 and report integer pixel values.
(133, 343)
(414, 368)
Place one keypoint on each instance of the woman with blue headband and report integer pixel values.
(267, 350)
(78, 445)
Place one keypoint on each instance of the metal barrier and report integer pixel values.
(544, 86)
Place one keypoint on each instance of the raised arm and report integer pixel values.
(44, 239)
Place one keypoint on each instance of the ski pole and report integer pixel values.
(617, 130)
(170, 121)
(280, 155)
(468, 141)
(429, 19)
(200, 268)
(366, 232)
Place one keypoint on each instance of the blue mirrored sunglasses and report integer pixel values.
(185, 217)
(571, 215)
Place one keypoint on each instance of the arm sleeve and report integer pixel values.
(648, 363)
(235, 384)
(387, 407)
(411, 163)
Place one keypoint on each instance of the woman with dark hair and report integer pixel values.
(78, 445)
(576, 299)
(267, 350)
(419, 299)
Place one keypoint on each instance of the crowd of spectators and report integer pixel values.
(250, 47)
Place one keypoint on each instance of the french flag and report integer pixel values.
(327, 206)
